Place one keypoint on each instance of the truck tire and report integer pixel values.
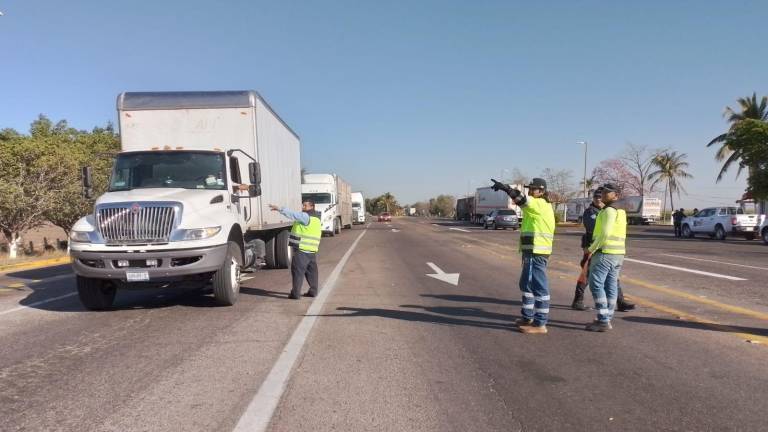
(765, 235)
(95, 294)
(719, 232)
(336, 226)
(226, 281)
(687, 231)
(283, 250)
(271, 252)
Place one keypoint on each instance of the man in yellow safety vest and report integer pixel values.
(607, 254)
(537, 235)
(305, 241)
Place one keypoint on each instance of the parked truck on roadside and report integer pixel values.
(486, 200)
(358, 208)
(187, 197)
(333, 199)
(464, 208)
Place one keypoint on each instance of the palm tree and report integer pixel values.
(750, 109)
(670, 169)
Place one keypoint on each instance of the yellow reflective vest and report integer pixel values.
(307, 237)
(538, 230)
(610, 232)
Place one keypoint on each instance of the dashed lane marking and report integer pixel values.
(714, 261)
(667, 266)
(257, 416)
(459, 229)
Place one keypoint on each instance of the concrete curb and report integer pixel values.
(35, 264)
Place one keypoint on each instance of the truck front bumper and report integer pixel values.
(168, 265)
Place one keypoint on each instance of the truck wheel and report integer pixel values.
(283, 250)
(226, 281)
(765, 235)
(336, 226)
(271, 255)
(95, 294)
(687, 232)
(719, 232)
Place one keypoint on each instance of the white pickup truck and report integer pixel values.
(719, 222)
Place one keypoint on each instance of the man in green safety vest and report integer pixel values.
(537, 235)
(607, 254)
(305, 241)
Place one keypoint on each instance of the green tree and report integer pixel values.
(670, 170)
(729, 151)
(749, 138)
(442, 205)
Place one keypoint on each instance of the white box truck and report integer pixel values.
(358, 208)
(187, 198)
(640, 210)
(333, 199)
(487, 200)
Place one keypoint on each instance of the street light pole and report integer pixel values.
(585, 166)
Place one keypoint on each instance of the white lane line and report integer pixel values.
(719, 262)
(31, 305)
(257, 416)
(459, 229)
(717, 275)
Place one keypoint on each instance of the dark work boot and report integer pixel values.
(578, 299)
(621, 304)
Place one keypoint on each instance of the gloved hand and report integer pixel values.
(499, 186)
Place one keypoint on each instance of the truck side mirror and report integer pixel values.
(254, 172)
(254, 190)
(87, 179)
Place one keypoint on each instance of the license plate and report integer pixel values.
(136, 276)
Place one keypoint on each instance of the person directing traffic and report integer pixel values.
(305, 241)
(537, 235)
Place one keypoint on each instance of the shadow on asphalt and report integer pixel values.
(263, 292)
(455, 316)
(42, 273)
(472, 299)
(697, 326)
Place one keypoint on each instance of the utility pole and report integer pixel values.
(585, 166)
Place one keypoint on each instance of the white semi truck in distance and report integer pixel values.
(487, 200)
(358, 208)
(333, 199)
(187, 198)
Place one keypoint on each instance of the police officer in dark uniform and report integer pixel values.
(588, 219)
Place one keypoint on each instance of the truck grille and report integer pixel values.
(136, 223)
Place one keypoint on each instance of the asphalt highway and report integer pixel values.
(387, 347)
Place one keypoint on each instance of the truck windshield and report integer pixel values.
(168, 169)
(317, 198)
(355, 205)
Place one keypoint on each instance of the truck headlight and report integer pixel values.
(200, 233)
(80, 236)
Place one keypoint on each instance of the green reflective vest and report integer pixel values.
(615, 241)
(538, 230)
(307, 237)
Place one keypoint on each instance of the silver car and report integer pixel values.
(501, 219)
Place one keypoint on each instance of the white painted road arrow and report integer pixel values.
(451, 278)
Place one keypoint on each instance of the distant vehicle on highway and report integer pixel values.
(385, 217)
(333, 199)
(487, 200)
(640, 210)
(504, 218)
(358, 208)
(187, 194)
(719, 222)
(465, 208)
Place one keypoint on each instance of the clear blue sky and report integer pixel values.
(413, 97)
